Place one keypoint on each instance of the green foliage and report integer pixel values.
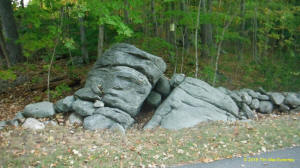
(7, 75)
(60, 90)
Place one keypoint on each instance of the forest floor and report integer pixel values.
(64, 146)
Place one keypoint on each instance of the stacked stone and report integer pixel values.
(250, 101)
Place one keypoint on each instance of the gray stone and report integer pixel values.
(87, 94)
(263, 97)
(64, 105)
(96, 122)
(34, 124)
(83, 108)
(123, 87)
(276, 98)
(247, 111)
(254, 104)
(262, 90)
(192, 102)
(284, 108)
(20, 117)
(292, 100)
(13, 122)
(39, 110)
(98, 104)
(176, 80)
(253, 94)
(266, 107)
(116, 115)
(163, 86)
(130, 56)
(75, 118)
(236, 97)
(154, 99)
(246, 98)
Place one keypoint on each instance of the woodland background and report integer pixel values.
(232, 43)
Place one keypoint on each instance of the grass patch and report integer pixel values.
(76, 147)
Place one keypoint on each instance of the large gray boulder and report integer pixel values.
(125, 75)
(192, 102)
(39, 110)
(128, 55)
(64, 105)
(123, 87)
(176, 80)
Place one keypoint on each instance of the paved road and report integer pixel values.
(265, 160)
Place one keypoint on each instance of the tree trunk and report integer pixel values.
(126, 15)
(254, 39)
(10, 32)
(22, 3)
(184, 9)
(154, 19)
(206, 30)
(84, 51)
(4, 51)
(100, 40)
(196, 40)
(242, 32)
(226, 25)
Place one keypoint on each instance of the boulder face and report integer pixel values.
(122, 79)
(192, 102)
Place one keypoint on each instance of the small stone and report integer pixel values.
(265, 107)
(284, 108)
(254, 104)
(276, 98)
(247, 111)
(292, 100)
(14, 123)
(263, 97)
(253, 94)
(39, 110)
(176, 80)
(163, 86)
(98, 104)
(246, 98)
(20, 117)
(75, 118)
(64, 105)
(154, 99)
(83, 108)
(34, 124)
